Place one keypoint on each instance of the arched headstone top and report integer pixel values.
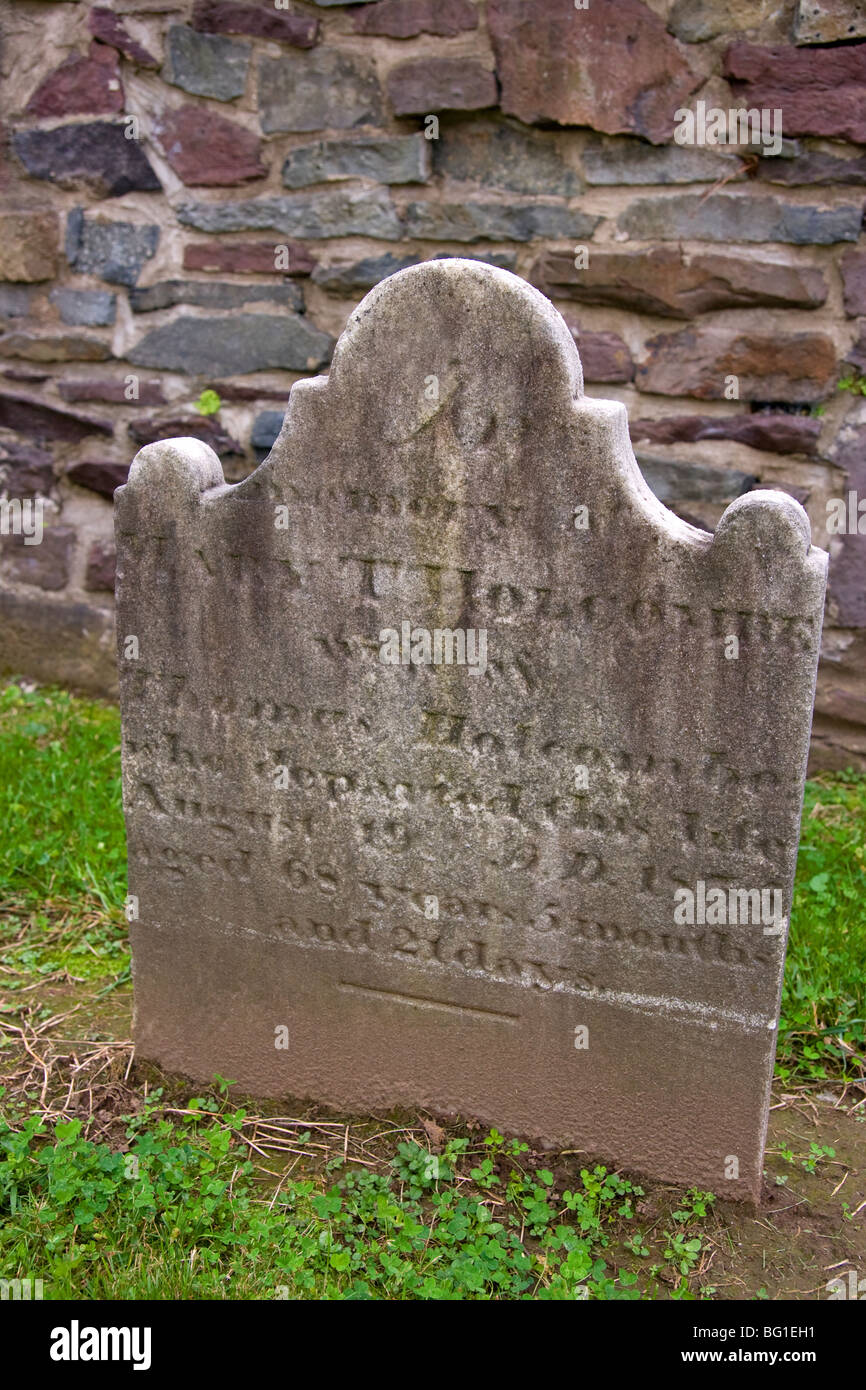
(491, 330)
(458, 376)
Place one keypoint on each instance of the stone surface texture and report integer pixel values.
(26, 471)
(441, 84)
(327, 87)
(206, 65)
(112, 250)
(404, 19)
(109, 28)
(94, 155)
(83, 84)
(306, 902)
(399, 159)
(227, 17)
(612, 65)
(99, 576)
(820, 91)
(205, 149)
(28, 245)
(242, 343)
(800, 368)
(670, 282)
(103, 478)
(829, 21)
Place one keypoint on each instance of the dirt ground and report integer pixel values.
(806, 1233)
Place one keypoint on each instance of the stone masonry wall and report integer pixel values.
(196, 193)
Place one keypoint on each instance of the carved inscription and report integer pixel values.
(586, 829)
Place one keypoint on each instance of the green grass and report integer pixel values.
(172, 1206)
(62, 841)
(822, 1030)
(98, 1223)
(61, 820)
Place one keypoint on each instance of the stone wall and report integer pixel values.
(196, 195)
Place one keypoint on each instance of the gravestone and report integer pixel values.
(545, 883)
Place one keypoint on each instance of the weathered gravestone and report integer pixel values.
(546, 883)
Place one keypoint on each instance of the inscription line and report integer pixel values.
(420, 1002)
(702, 1014)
